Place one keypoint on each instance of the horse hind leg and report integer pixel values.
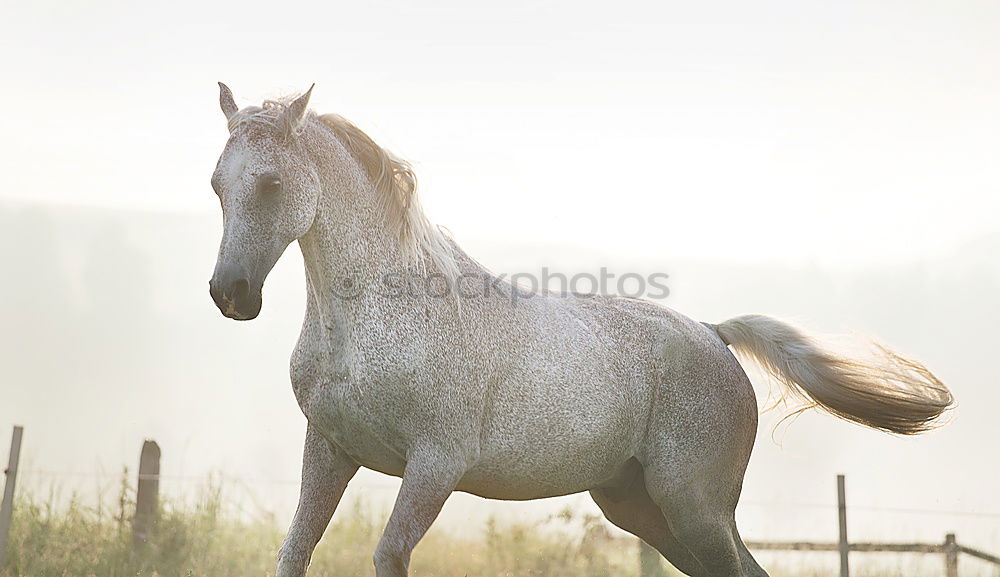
(750, 566)
(695, 454)
(705, 526)
(631, 508)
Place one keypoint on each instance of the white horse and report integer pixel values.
(402, 368)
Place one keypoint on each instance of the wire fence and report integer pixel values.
(227, 478)
(250, 487)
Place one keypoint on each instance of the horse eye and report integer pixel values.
(268, 183)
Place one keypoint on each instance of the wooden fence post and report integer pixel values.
(950, 555)
(147, 493)
(843, 546)
(7, 508)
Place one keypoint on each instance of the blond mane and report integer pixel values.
(396, 185)
(394, 182)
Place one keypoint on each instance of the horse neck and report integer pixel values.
(352, 243)
(342, 248)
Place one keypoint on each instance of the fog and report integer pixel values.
(110, 338)
(832, 163)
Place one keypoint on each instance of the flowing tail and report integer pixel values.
(891, 392)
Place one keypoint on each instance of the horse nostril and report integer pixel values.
(239, 290)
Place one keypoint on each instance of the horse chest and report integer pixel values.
(342, 402)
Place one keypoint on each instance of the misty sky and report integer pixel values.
(801, 131)
(836, 161)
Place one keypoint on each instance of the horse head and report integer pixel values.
(268, 188)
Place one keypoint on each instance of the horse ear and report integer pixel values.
(296, 111)
(227, 102)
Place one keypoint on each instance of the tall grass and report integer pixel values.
(205, 539)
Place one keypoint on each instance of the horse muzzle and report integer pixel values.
(235, 296)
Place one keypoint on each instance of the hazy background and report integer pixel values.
(830, 162)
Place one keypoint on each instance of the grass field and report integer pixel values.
(206, 538)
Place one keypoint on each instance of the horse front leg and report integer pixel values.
(428, 480)
(326, 470)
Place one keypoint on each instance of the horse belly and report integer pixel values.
(546, 451)
(501, 481)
